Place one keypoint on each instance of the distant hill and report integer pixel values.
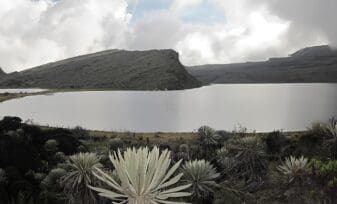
(112, 69)
(309, 65)
(2, 73)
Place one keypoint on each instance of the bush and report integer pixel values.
(10, 123)
(309, 145)
(274, 142)
(53, 177)
(24, 156)
(248, 164)
(79, 133)
(223, 135)
(201, 175)
(51, 146)
(325, 176)
(116, 143)
(59, 157)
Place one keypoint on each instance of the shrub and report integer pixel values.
(249, 164)
(324, 175)
(53, 177)
(116, 143)
(59, 157)
(23, 155)
(317, 128)
(294, 168)
(3, 177)
(76, 182)
(274, 142)
(184, 148)
(51, 146)
(223, 158)
(223, 135)
(78, 132)
(10, 123)
(145, 177)
(331, 127)
(201, 175)
(207, 136)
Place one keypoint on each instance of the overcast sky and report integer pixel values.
(33, 32)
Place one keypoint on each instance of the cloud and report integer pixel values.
(309, 18)
(34, 32)
(156, 30)
(248, 34)
(181, 6)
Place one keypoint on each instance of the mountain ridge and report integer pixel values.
(110, 69)
(2, 73)
(308, 65)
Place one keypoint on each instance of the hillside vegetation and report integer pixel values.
(2, 73)
(44, 165)
(309, 65)
(112, 69)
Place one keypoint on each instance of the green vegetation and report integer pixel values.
(294, 168)
(44, 165)
(80, 175)
(201, 175)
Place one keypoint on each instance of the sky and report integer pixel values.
(34, 32)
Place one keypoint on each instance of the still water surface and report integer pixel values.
(21, 90)
(260, 107)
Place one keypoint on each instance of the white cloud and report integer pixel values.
(33, 32)
(180, 6)
(36, 32)
(248, 34)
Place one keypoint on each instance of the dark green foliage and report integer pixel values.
(20, 154)
(208, 141)
(248, 164)
(10, 123)
(25, 150)
(32, 162)
(309, 145)
(324, 174)
(79, 133)
(275, 141)
(115, 144)
(318, 129)
(331, 127)
(223, 135)
(51, 146)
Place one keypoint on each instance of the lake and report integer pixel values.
(260, 107)
(21, 90)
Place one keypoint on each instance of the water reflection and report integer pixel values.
(261, 107)
(21, 90)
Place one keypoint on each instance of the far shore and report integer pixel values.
(9, 96)
(163, 136)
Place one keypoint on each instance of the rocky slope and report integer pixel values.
(2, 73)
(112, 69)
(313, 64)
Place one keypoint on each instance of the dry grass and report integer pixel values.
(158, 136)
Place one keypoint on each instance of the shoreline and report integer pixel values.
(9, 96)
(162, 136)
